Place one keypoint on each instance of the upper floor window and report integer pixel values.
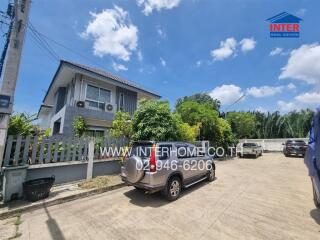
(97, 97)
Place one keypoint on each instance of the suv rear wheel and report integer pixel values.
(173, 189)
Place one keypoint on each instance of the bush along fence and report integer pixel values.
(21, 150)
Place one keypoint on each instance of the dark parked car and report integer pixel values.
(294, 147)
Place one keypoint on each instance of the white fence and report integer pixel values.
(31, 150)
(271, 145)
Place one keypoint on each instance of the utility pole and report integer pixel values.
(11, 67)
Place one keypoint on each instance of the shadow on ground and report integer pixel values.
(295, 156)
(315, 214)
(53, 227)
(155, 200)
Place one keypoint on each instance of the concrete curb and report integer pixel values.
(17, 211)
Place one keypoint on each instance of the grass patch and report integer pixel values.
(97, 182)
(17, 222)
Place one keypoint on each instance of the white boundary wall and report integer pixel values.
(272, 145)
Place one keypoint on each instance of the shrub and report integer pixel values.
(121, 125)
(79, 126)
(21, 124)
(153, 120)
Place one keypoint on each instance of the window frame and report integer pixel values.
(97, 101)
(119, 101)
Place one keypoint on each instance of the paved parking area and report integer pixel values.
(265, 198)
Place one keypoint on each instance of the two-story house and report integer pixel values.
(78, 90)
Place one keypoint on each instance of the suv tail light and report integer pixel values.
(152, 161)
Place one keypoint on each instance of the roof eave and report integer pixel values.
(117, 82)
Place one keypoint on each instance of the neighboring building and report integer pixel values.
(78, 90)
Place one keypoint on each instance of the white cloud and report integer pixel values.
(287, 106)
(291, 86)
(303, 64)
(119, 67)
(227, 49)
(163, 62)
(304, 100)
(247, 44)
(264, 91)
(113, 33)
(309, 98)
(276, 51)
(227, 94)
(139, 56)
(161, 33)
(150, 5)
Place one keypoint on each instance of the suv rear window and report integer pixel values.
(164, 151)
(296, 142)
(186, 151)
(249, 145)
(143, 150)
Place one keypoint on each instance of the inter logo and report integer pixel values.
(284, 25)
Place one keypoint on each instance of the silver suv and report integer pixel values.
(166, 166)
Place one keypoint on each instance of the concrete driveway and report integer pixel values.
(265, 198)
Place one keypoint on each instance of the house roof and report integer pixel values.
(100, 73)
(43, 106)
(284, 17)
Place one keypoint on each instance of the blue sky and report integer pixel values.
(181, 48)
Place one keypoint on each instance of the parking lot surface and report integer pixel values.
(265, 198)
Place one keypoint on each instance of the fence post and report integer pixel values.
(90, 159)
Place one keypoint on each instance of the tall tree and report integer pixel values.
(153, 120)
(201, 98)
(243, 124)
(291, 125)
(211, 128)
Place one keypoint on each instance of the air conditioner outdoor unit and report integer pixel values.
(110, 107)
(81, 104)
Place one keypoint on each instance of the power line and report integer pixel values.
(43, 43)
(66, 47)
(236, 101)
(43, 40)
(46, 51)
